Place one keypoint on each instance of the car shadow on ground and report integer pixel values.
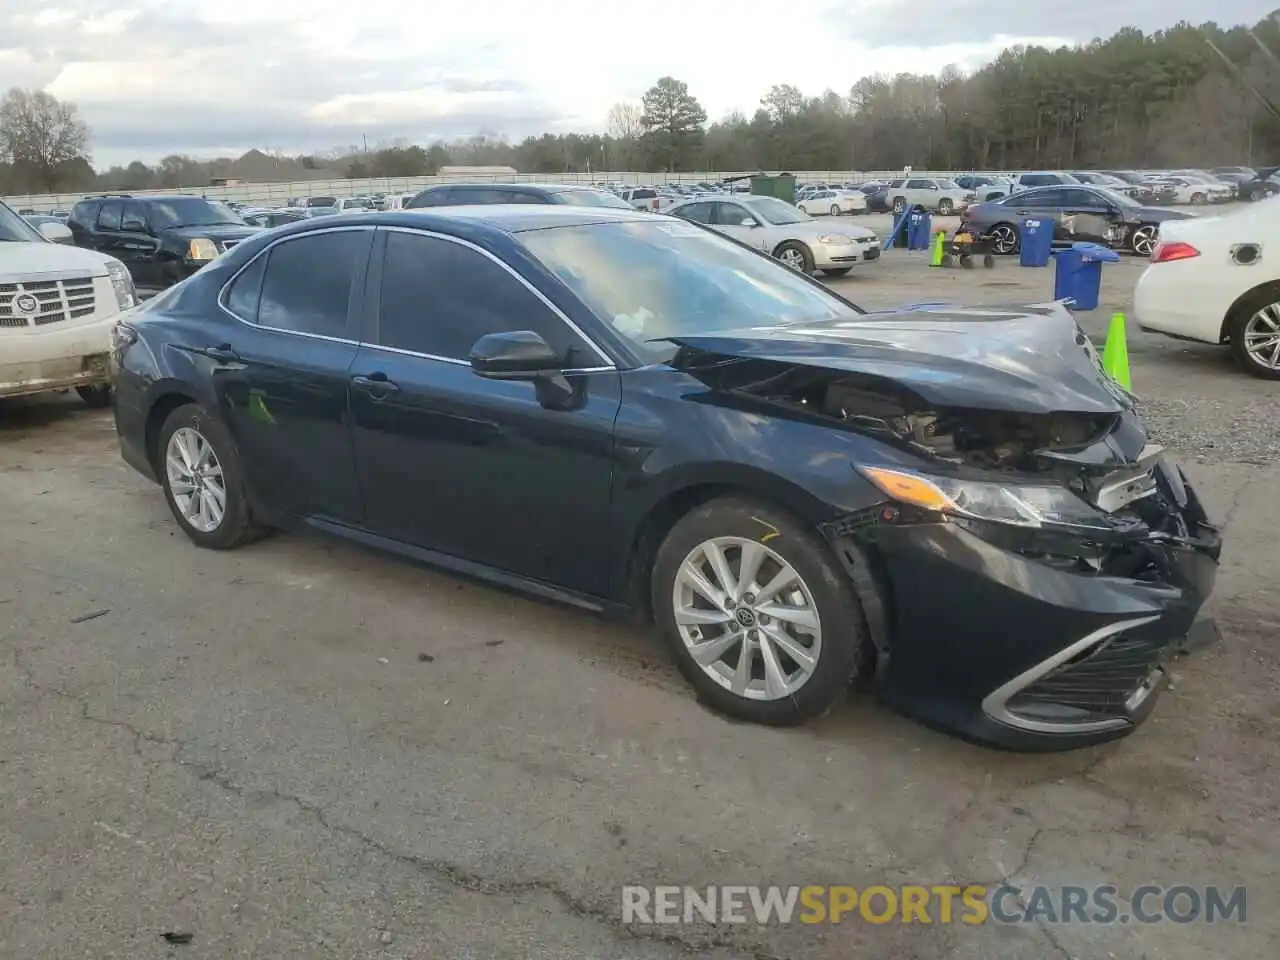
(20, 415)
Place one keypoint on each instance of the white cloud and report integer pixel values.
(154, 77)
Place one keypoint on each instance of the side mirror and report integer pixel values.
(518, 355)
(749, 222)
(55, 232)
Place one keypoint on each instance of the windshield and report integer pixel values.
(591, 198)
(192, 212)
(14, 228)
(776, 211)
(670, 278)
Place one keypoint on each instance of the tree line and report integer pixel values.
(1185, 96)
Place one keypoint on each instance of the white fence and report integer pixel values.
(279, 193)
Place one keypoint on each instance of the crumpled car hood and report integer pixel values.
(1032, 359)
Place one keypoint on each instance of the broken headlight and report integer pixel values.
(1021, 505)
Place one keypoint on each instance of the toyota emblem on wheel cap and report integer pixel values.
(26, 303)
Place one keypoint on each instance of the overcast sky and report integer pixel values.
(154, 77)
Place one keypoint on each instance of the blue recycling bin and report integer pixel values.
(919, 229)
(1035, 238)
(1077, 276)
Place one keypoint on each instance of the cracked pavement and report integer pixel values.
(300, 749)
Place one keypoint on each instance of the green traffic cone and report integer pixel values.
(1115, 354)
(935, 257)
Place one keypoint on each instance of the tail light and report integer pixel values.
(1174, 250)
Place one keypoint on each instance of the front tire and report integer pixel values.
(96, 397)
(898, 206)
(760, 618)
(1197, 199)
(795, 255)
(835, 210)
(199, 468)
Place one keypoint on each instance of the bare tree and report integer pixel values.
(624, 121)
(41, 134)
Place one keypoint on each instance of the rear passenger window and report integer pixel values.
(482, 195)
(242, 296)
(429, 198)
(109, 215)
(307, 287)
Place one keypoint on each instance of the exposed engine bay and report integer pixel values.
(989, 439)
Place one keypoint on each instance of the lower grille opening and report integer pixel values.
(1099, 684)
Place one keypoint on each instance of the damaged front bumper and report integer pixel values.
(1011, 638)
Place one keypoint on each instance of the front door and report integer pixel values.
(281, 374)
(735, 220)
(474, 468)
(137, 248)
(1086, 216)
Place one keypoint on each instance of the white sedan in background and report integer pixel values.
(1217, 279)
(833, 202)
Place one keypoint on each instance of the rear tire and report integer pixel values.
(835, 210)
(222, 470)
(1005, 238)
(96, 397)
(1243, 327)
(1198, 198)
(805, 640)
(945, 207)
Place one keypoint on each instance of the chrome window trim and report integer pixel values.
(222, 293)
(995, 704)
(222, 296)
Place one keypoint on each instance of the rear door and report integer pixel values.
(479, 469)
(281, 374)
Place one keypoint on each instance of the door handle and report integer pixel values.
(223, 353)
(375, 385)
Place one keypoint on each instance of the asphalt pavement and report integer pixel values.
(300, 749)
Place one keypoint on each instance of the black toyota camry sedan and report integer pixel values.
(631, 413)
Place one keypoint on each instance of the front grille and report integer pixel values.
(37, 303)
(1098, 683)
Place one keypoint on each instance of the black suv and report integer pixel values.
(456, 194)
(161, 238)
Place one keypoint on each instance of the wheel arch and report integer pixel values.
(163, 403)
(1240, 301)
(687, 494)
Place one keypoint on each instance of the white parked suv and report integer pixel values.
(937, 194)
(58, 305)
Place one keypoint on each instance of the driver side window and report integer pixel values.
(439, 297)
(730, 214)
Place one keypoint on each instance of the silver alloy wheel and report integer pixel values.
(1262, 337)
(1143, 240)
(195, 479)
(793, 257)
(747, 618)
(835, 210)
(1004, 239)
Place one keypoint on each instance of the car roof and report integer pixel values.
(527, 187)
(505, 217)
